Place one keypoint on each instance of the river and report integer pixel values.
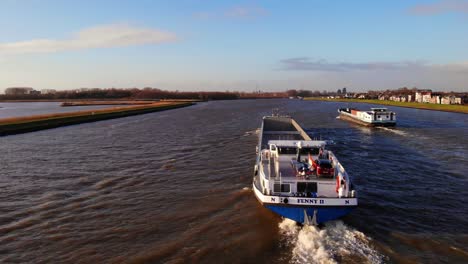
(175, 187)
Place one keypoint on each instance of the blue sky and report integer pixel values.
(234, 45)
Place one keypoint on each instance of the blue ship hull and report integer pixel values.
(322, 214)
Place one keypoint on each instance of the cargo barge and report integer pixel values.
(374, 117)
(297, 177)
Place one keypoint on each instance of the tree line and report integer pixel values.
(145, 93)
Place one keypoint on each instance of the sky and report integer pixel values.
(234, 45)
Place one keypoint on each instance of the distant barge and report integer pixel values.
(374, 117)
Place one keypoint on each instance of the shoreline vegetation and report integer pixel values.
(426, 106)
(17, 125)
(125, 102)
(147, 93)
(113, 102)
(65, 104)
(100, 101)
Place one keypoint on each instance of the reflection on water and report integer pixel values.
(175, 186)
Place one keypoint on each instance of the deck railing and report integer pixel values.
(339, 170)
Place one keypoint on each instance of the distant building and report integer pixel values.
(455, 99)
(397, 98)
(383, 97)
(445, 100)
(18, 90)
(35, 92)
(48, 91)
(426, 98)
(423, 96)
(435, 99)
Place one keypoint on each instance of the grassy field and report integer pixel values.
(437, 107)
(16, 125)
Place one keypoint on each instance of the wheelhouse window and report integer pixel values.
(281, 188)
(287, 150)
(311, 151)
(305, 187)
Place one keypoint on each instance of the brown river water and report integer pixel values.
(175, 187)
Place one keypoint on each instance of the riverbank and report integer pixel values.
(89, 103)
(17, 125)
(125, 102)
(425, 106)
(102, 101)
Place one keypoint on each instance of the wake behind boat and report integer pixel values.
(296, 177)
(374, 117)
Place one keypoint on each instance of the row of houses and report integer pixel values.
(424, 96)
(446, 99)
(27, 90)
(397, 98)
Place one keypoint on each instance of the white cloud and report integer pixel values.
(105, 36)
(307, 64)
(361, 76)
(321, 65)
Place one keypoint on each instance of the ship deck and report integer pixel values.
(279, 135)
(349, 117)
(280, 128)
(286, 171)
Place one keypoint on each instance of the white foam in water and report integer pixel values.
(329, 244)
(395, 131)
(248, 133)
